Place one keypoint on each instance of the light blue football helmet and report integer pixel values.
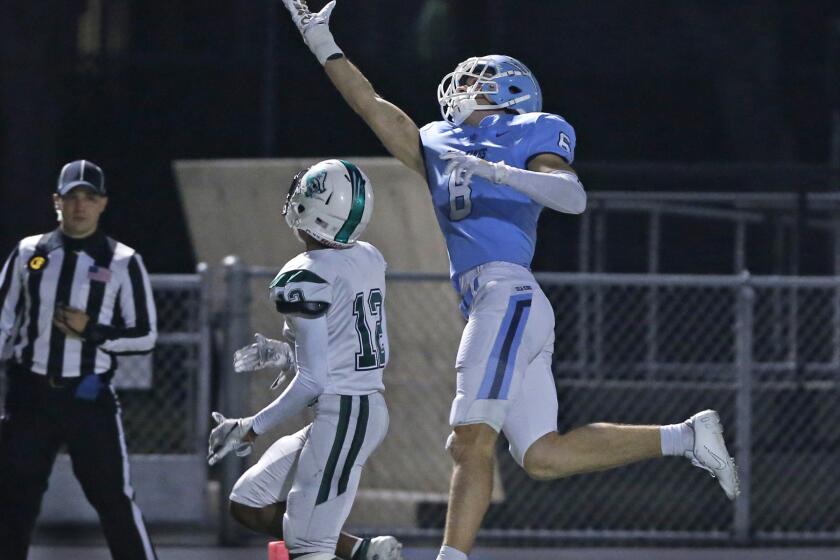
(503, 80)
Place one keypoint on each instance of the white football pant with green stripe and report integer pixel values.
(316, 471)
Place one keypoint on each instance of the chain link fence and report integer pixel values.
(649, 349)
(165, 394)
(165, 399)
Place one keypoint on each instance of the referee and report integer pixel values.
(71, 301)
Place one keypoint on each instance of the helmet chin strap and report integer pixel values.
(462, 109)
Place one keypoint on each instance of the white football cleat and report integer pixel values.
(710, 452)
(381, 548)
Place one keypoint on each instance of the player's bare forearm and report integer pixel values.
(396, 130)
(547, 163)
(391, 125)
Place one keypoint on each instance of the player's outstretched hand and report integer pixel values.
(265, 352)
(315, 28)
(467, 165)
(229, 435)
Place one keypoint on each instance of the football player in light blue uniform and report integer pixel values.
(482, 220)
(492, 164)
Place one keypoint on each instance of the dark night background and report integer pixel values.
(136, 85)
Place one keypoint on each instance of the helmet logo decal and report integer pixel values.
(357, 204)
(315, 185)
(331, 201)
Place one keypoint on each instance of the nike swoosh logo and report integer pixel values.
(502, 133)
(721, 463)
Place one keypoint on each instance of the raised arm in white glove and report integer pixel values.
(315, 29)
(558, 190)
(231, 434)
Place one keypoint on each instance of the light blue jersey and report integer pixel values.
(483, 222)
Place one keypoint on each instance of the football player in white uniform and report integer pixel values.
(333, 300)
(492, 164)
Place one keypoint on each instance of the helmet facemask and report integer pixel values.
(502, 81)
(292, 218)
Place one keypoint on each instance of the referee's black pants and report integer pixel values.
(38, 420)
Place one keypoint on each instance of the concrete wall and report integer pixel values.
(233, 206)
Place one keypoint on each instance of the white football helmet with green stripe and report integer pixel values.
(332, 201)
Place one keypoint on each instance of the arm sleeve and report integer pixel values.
(301, 292)
(10, 291)
(310, 349)
(138, 310)
(552, 135)
(558, 190)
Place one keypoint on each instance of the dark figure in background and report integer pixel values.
(70, 301)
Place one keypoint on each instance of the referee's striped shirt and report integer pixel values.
(98, 275)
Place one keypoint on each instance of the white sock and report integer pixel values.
(449, 553)
(676, 439)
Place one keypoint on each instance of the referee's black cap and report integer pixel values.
(81, 173)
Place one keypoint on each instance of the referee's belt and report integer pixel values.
(54, 382)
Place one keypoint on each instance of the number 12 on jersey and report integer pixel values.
(371, 353)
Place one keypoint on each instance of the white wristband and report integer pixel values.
(320, 41)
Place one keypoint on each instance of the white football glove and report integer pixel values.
(265, 352)
(315, 28)
(467, 166)
(228, 436)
